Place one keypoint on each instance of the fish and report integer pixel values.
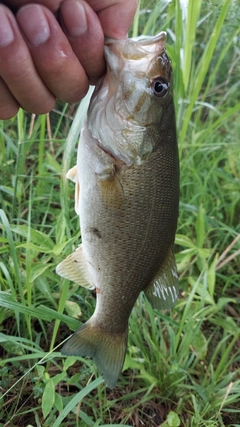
(127, 198)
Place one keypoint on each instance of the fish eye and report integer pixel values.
(160, 87)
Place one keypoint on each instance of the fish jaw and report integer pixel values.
(126, 114)
(139, 50)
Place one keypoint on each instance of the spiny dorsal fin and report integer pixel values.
(73, 175)
(74, 268)
(163, 290)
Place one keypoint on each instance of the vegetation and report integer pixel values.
(183, 366)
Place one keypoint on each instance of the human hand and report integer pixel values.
(42, 58)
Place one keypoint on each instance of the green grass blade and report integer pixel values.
(7, 229)
(68, 155)
(41, 312)
(75, 401)
(152, 24)
(74, 132)
(192, 11)
(62, 304)
(135, 25)
(202, 69)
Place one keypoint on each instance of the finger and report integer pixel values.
(85, 35)
(52, 54)
(52, 5)
(8, 104)
(17, 69)
(116, 16)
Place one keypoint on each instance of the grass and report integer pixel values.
(183, 366)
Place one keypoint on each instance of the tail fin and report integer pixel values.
(107, 349)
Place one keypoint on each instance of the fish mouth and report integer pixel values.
(128, 54)
(135, 48)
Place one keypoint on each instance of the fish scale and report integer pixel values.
(128, 199)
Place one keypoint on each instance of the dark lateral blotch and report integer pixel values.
(96, 232)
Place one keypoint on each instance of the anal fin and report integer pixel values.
(163, 290)
(74, 268)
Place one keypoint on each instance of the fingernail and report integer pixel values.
(34, 24)
(74, 18)
(6, 32)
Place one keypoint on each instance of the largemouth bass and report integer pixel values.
(127, 195)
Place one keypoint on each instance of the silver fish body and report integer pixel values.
(127, 195)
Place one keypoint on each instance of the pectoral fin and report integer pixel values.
(110, 187)
(163, 290)
(74, 268)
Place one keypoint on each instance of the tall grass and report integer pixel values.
(182, 367)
